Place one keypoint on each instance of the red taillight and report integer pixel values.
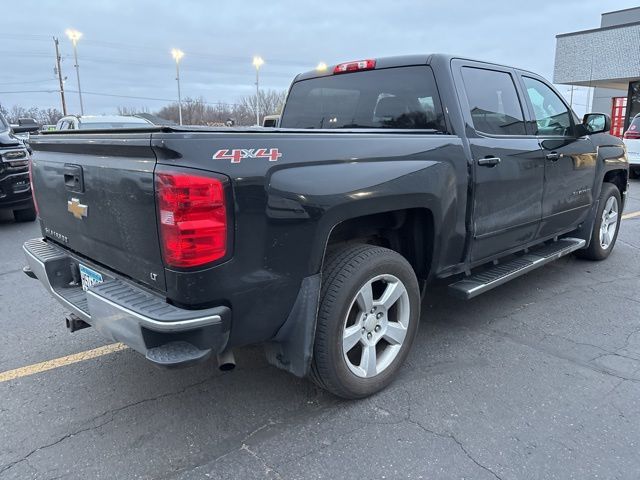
(193, 218)
(354, 66)
(33, 192)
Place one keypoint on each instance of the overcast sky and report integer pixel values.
(125, 48)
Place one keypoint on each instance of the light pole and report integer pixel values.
(177, 56)
(258, 62)
(74, 36)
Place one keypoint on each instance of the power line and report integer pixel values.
(159, 65)
(118, 96)
(30, 91)
(25, 35)
(199, 58)
(29, 82)
(148, 98)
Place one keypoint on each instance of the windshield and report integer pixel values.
(404, 98)
(95, 125)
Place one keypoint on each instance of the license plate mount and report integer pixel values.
(89, 277)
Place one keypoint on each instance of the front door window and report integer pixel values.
(551, 114)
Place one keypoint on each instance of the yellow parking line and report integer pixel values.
(629, 215)
(60, 362)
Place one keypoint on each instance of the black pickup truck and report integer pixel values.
(317, 238)
(15, 190)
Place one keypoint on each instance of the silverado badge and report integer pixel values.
(75, 208)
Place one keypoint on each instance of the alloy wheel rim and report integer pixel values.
(609, 223)
(376, 325)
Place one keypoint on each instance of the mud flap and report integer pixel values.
(292, 347)
(584, 231)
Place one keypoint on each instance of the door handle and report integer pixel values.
(489, 161)
(553, 156)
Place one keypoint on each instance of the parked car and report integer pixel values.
(84, 122)
(317, 239)
(15, 189)
(631, 140)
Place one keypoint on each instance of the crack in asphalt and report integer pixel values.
(52, 444)
(449, 436)
(628, 339)
(558, 354)
(267, 468)
(629, 244)
(7, 272)
(293, 419)
(606, 352)
(112, 414)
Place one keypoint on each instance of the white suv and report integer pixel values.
(631, 140)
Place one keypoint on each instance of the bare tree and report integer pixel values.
(271, 103)
(196, 111)
(44, 116)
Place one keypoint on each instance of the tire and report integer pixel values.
(602, 244)
(382, 338)
(27, 215)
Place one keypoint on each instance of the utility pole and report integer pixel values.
(59, 70)
(179, 94)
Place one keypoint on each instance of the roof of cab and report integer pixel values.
(403, 61)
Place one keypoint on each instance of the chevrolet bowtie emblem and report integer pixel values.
(77, 209)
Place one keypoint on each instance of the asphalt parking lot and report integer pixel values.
(539, 378)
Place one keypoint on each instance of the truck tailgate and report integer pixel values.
(95, 195)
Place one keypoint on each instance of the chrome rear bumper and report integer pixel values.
(125, 312)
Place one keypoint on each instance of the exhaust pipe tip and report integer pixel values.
(226, 361)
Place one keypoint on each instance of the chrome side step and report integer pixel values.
(478, 283)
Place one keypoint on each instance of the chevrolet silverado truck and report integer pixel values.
(15, 189)
(317, 239)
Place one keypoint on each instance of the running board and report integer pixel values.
(478, 283)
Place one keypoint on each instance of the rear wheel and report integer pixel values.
(26, 215)
(367, 321)
(605, 228)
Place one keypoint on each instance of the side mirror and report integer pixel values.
(596, 122)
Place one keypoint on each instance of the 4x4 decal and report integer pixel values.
(237, 154)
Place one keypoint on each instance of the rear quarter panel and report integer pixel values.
(284, 210)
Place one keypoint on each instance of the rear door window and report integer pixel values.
(399, 98)
(493, 102)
